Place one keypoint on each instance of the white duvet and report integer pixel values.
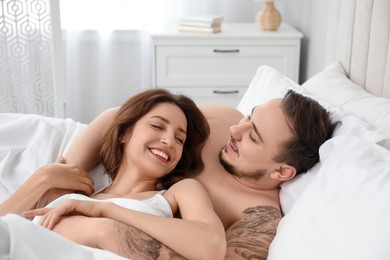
(22, 239)
(28, 142)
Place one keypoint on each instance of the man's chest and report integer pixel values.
(230, 200)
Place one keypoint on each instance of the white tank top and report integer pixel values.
(156, 205)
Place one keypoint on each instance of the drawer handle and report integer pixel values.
(225, 91)
(227, 51)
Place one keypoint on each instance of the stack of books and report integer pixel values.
(201, 24)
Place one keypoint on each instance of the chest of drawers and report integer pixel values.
(217, 68)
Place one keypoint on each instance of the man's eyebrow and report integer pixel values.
(167, 121)
(255, 127)
(253, 109)
(257, 132)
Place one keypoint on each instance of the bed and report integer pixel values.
(339, 209)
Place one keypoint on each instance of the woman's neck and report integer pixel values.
(130, 182)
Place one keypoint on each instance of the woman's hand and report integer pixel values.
(67, 177)
(75, 183)
(58, 177)
(51, 216)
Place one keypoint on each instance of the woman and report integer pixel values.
(155, 139)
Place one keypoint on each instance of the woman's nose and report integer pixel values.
(167, 139)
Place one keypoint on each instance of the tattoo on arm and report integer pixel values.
(135, 244)
(251, 236)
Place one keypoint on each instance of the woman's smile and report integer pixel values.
(160, 154)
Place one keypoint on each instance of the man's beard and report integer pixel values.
(256, 174)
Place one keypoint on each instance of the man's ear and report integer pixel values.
(285, 172)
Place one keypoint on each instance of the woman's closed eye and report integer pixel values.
(158, 127)
(180, 140)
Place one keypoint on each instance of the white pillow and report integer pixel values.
(268, 83)
(333, 86)
(350, 126)
(344, 213)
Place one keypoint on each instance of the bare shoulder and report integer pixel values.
(189, 196)
(212, 111)
(220, 119)
(187, 185)
(108, 114)
(253, 233)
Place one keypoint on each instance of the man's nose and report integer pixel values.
(237, 131)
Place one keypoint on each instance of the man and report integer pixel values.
(244, 165)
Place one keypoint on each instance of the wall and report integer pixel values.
(309, 17)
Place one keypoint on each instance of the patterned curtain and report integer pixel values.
(26, 57)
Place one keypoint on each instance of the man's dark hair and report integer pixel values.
(311, 126)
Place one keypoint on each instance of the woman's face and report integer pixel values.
(155, 144)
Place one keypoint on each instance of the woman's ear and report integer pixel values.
(125, 137)
(284, 173)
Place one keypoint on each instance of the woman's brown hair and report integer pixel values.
(190, 164)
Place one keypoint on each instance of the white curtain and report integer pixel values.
(108, 46)
(26, 57)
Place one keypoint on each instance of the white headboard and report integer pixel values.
(359, 37)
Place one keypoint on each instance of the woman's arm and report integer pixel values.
(55, 175)
(84, 151)
(199, 234)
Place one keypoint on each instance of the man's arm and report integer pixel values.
(113, 236)
(251, 236)
(133, 243)
(247, 238)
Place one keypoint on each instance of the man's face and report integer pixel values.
(255, 141)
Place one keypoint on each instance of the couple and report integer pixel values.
(244, 165)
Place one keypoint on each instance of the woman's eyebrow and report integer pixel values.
(168, 122)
